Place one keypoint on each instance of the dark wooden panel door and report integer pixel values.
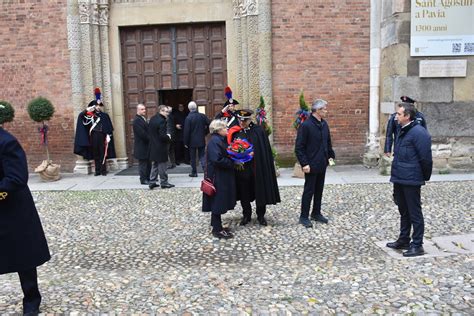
(172, 57)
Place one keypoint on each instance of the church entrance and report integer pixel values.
(172, 64)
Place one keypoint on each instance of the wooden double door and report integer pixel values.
(175, 64)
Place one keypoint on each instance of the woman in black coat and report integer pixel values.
(23, 246)
(220, 170)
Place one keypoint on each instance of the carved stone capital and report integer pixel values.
(103, 14)
(94, 9)
(244, 8)
(84, 11)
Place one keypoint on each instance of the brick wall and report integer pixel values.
(34, 61)
(322, 47)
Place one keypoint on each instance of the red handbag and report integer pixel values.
(207, 187)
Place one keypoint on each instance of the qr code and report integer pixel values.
(457, 47)
(469, 47)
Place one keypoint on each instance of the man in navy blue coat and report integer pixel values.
(411, 167)
(313, 149)
(23, 246)
(196, 127)
(393, 128)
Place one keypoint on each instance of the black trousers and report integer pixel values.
(179, 151)
(313, 190)
(171, 153)
(144, 168)
(200, 156)
(29, 285)
(409, 205)
(245, 187)
(98, 151)
(216, 222)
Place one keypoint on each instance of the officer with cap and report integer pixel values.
(393, 128)
(256, 181)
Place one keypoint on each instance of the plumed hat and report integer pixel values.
(228, 95)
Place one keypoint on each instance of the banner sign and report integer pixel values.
(442, 28)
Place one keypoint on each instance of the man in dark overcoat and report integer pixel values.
(256, 181)
(94, 136)
(171, 129)
(159, 141)
(179, 117)
(141, 144)
(23, 246)
(411, 167)
(196, 127)
(313, 150)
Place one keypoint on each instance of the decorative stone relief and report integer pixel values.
(244, 8)
(94, 13)
(104, 14)
(84, 14)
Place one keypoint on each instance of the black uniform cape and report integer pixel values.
(262, 166)
(82, 142)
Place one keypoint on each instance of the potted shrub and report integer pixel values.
(301, 115)
(7, 113)
(41, 110)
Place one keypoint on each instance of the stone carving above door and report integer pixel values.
(244, 8)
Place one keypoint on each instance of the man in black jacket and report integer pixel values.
(141, 144)
(314, 149)
(196, 127)
(159, 140)
(411, 167)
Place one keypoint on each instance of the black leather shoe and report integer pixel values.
(306, 222)
(398, 245)
(245, 220)
(414, 251)
(172, 166)
(319, 218)
(262, 221)
(146, 182)
(193, 175)
(153, 185)
(223, 234)
(167, 186)
(96, 174)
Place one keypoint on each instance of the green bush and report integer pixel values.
(7, 113)
(40, 109)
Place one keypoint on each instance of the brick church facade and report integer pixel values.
(157, 51)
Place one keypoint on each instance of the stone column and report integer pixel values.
(74, 47)
(372, 155)
(86, 48)
(247, 23)
(96, 45)
(265, 56)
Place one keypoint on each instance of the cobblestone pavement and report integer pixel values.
(141, 251)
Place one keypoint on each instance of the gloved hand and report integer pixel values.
(107, 138)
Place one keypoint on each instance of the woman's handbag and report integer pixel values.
(207, 187)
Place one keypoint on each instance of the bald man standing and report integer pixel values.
(141, 144)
